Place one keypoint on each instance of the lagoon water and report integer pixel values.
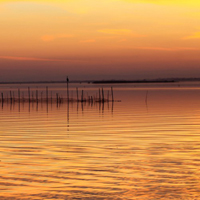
(145, 147)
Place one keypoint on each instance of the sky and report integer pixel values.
(99, 39)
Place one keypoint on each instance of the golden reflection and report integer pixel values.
(97, 152)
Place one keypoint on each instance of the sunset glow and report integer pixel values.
(107, 39)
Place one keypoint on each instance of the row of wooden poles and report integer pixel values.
(35, 98)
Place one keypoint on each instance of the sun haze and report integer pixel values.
(103, 39)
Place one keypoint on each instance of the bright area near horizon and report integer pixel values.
(101, 39)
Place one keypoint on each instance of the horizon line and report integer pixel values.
(105, 80)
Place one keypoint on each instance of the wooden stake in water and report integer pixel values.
(99, 95)
(57, 98)
(29, 95)
(2, 97)
(14, 97)
(102, 95)
(47, 98)
(92, 99)
(2, 100)
(22, 97)
(32, 96)
(41, 96)
(36, 94)
(82, 96)
(47, 94)
(10, 96)
(67, 89)
(112, 94)
(19, 95)
(77, 93)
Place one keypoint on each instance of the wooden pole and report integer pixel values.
(2, 97)
(112, 94)
(77, 94)
(10, 96)
(2, 101)
(22, 97)
(32, 96)
(91, 99)
(102, 95)
(13, 96)
(82, 96)
(67, 89)
(41, 96)
(99, 95)
(47, 98)
(47, 94)
(36, 95)
(19, 95)
(29, 95)
(57, 98)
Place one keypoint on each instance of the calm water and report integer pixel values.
(145, 147)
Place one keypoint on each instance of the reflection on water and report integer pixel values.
(145, 147)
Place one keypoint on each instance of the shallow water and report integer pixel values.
(145, 147)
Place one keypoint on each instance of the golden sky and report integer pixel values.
(99, 39)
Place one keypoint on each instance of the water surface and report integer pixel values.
(145, 147)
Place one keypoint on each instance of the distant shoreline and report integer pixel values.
(115, 82)
(167, 80)
(33, 82)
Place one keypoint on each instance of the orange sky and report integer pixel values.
(89, 39)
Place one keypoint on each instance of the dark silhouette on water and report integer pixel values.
(57, 99)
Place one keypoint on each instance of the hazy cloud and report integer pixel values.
(168, 49)
(48, 38)
(88, 41)
(130, 1)
(120, 32)
(165, 2)
(39, 1)
(195, 35)
(19, 58)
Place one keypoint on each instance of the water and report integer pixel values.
(145, 147)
